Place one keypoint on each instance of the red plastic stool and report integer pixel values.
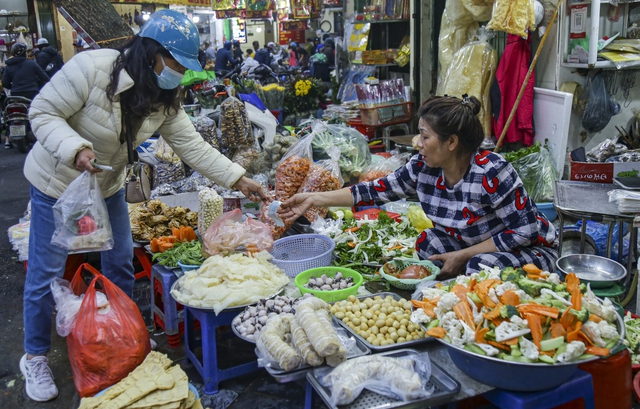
(141, 263)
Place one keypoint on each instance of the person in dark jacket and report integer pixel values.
(48, 58)
(237, 52)
(263, 56)
(329, 50)
(23, 76)
(202, 57)
(224, 59)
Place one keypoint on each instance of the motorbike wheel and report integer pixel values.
(22, 145)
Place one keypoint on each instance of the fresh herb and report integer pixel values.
(628, 174)
(521, 153)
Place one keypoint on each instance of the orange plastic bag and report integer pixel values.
(107, 343)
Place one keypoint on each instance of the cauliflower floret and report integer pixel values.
(506, 286)
(446, 303)
(432, 292)
(462, 280)
(488, 349)
(493, 296)
(467, 336)
(477, 315)
(523, 296)
(452, 325)
(474, 276)
(521, 323)
(491, 272)
(508, 330)
(573, 351)
(529, 349)
(591, 303)
(418, 316)
(607, 331)
(553, 278)
(608, 310)
(592, 330)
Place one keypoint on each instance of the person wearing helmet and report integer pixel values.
(263, 55)
(23, 76)
(224, 59)
(48, 58)
(237, 52)
(99, 100)
(302, 56)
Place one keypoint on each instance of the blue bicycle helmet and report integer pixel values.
(177, 34)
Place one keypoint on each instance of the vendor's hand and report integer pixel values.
(455, 264)
(295, 207)
(83, 161)
(251, 189)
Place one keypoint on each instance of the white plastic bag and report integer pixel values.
(68, 304)
(82, 218)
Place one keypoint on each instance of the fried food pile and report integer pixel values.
(153, 219)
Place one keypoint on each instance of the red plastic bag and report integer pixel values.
(107, 343)
(228, 232)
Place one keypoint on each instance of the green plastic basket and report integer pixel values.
(333, 295)
(407, 283)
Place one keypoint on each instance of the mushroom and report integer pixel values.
(286, 309)
(338, 276)
(263, 320)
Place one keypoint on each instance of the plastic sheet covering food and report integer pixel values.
(399, 378)
(384, 167)
(19, 239)
(223, 282)
(471, 72)
(452, 38)
(604, 150)
(227, 232)
(628, 201)
(513, 17)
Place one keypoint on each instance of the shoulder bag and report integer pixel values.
(137, 183)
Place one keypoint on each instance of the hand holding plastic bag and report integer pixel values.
(82, 218)
(227, 232)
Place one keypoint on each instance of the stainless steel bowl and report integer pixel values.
(600, 272)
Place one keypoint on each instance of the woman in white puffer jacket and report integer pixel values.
(78, 117)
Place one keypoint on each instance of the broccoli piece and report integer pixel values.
(532, 287)
(582, 315)
(583, 288)
(509, 274)
(508, 311)
(560, 288)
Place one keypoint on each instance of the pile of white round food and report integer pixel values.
(254, 318)
(325, 283)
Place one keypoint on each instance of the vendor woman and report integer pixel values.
(481, 211)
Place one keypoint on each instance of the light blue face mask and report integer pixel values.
(168, 78)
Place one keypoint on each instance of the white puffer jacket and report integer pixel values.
(73, 112)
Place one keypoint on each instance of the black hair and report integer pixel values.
(138, 59)
(450, 115)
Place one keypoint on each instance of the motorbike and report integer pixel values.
(263, 74)
(16, 120)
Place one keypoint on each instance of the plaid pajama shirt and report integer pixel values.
(488, 202)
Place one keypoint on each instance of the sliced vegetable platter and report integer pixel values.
(524, 316)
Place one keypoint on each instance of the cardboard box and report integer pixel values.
(600, 172)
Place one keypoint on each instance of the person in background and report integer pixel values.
(48, 58)
(256, 46)
(475, 198)
(224, 59)
(210, 51)
(80, 45)
(301, 55)
(321, 43)
(237, 52)
(23, 77)
(249, 61)
(329, 50)
(73, 120)
(202, 57)
(263, 56)
(293, 56)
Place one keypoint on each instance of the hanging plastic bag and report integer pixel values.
(600, 107)
(452, 38)
(323, 176)
(538, 173)
(513, 16)
(471, 72)
(234, 124)
(82, 218)
(105, 344)
(228, 232)
(293, 168)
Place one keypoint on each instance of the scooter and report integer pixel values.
(16, 119)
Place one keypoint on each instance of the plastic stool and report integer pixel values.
(143, 259)
(578, 386)
(163, 305)
(208, 368)
(387, 133)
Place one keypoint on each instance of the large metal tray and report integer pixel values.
(282, 376)
(445, 387)
(178, 284)
(386, 347)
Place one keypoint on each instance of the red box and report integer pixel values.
(599, 172)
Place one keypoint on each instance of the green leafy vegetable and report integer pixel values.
(189, 252)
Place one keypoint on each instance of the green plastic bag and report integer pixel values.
(192, 77)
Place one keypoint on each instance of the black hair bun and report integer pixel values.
(475, 104)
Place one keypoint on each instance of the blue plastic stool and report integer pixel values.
(161, 281)
(208, 368)
(580, 385)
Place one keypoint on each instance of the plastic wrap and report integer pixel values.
(538, 173)
(452, 38)
(628, 201)
(323, 176)
(210, 206)
(471, 72)
(293, 168)
(398, 378)
(68, 305)
(234, 125)
(631, 156)
(168, 172)
(604, 150)
(271, 342)
(165, 153)
(383, 168)
(207, 128)
(228, 232)
(321, 333)
(193, 183)
(513, 16)
(19, 239)
(600, 107)
(81, 217)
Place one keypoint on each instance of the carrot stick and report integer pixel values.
(573, 287)
(598, 351)
(437, 332)
(500, 345)
(352, 229)
(594, 318)
(536, 328)
(480, 333)
(494, 313)
(539, 310)
(532, 268)
(510, 297)
(463, 311)
(557, 330)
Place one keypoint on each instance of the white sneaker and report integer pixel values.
(38, 379)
